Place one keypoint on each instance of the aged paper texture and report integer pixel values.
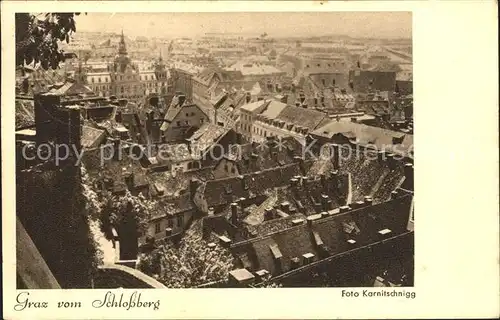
(235, 159)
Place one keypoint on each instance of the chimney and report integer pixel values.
(206, 229)
(234, 213)
(168, 232)
(329, 204)
(336, 156)
(295, 263)
(394, 194)
(116, 149)
(211, 211)
(269, 86)
(129, 179)
(334, 180)
(118, 116)
(182, 99)
(357, 204)
(391, 162)
(285, 98)
(323, 179)
(324, 202)
(149, 122)
(408, 171)
(285, 207)
(269, 214)
(344, 208)
(368, 200)
(241, 202)
(193, 186)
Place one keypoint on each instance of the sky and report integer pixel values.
(275, 24)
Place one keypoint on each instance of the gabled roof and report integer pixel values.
(223, 191)
(325, 237)
(173, 110)
(70, 88)
(383, 139)
(253, 106)
(91, 136)
(206, 136)
(265, 157)
(304, 117)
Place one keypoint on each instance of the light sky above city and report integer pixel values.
(275, 24)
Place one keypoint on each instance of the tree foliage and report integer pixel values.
(116, 209)
(38, 37)
(190, 264)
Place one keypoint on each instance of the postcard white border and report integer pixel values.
(456, 103)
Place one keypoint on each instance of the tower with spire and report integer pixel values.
(122, 60)
(122, 47)
(160, 69)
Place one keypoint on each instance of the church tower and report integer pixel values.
(161, 74)
(122, 60)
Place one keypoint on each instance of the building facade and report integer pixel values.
(123, 78)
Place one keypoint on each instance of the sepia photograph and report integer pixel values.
(249, 160)
(225, 153)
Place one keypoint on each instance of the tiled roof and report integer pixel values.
(251, 107)
(172, 206)
(172, 112)
(254, 69)
(25, 113)
(206, 136)
(266, 157)
(301, 116)
(174, 184)
(274, 225)
(175, 153)
(381, 80)
(91, 136)
(223, 191)
(325, 236)
(369, 175)
(383, 139)
(273, 109)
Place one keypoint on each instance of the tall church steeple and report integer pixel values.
(122, 47)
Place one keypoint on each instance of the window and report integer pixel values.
(180, 221)
(307, 66)
(170, 223)
(178, 123)
(92, 80)
(323, 81)
(187, 114)
(99, 79)
(157, 227)
(319, 65)
(333, 82)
